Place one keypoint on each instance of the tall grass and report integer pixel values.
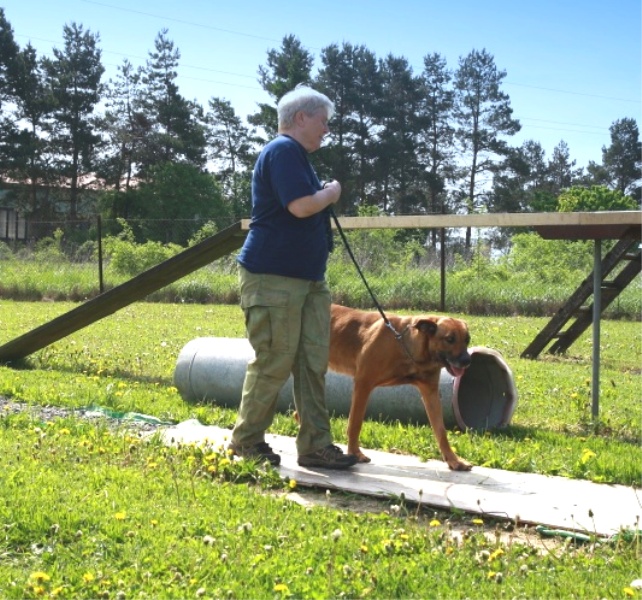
(410, 287)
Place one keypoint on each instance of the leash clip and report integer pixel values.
(390, 326)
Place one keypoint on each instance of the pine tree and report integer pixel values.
(622, 159)
(74, 76)
(31, 146)
(176, 133)
(400, 121)
(350, 77)
(436, 137)
(285, 69)
(482, 114)
(230, 149)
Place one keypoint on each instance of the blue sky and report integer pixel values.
(573, 68)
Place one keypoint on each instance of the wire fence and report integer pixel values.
(424, 269)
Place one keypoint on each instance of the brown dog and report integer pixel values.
(364, 347)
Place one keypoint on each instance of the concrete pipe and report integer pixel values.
(213, 369)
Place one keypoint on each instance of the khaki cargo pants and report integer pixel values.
(288, 326)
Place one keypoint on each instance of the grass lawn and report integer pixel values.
(88, 512)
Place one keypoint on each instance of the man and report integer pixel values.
(284, 295)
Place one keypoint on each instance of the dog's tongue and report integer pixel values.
(456, 371)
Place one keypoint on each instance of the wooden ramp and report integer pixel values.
(625, 254)
(556, 502)
(135, 289)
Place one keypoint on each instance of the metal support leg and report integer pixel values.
(597, 313)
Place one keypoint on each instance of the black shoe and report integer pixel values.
(330, 457)
(260, 452)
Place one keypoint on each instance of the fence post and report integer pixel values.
(442, 241)
(101, 283)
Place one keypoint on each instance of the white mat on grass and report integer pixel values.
(556, 502)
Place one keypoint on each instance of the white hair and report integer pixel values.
(302, 98)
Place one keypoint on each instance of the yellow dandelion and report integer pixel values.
(478, 522)
(496, 554)
(57, 591)
(364, 548)
(491, 575)
(154, 523)
(281, 587)
(40, 576)
(120, 516)
(629, 591)
(38, 590)
(587, 455)
(435, 523)
(212, 469)
(88, 577)
(292, 484)
(224, 462)
(64, 431)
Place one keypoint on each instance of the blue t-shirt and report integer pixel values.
(279, 243)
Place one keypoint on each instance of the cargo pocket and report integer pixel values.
(267, 319)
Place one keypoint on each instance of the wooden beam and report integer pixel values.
(607, 218)
(135, 289)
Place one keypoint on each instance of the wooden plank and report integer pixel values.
(584, 219)
(137, 288)
(558, 502)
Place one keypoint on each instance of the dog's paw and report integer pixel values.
(459, 464)
(361, 457)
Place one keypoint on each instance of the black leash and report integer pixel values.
(389, 325)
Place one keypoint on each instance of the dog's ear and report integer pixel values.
(426, 326)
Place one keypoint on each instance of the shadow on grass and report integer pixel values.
(520, 433)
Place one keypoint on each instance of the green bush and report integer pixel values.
(208, 230)
(549, 261)
(594, 199)
(377, 250)
(129, 258)
(5, 252)
(49, 249)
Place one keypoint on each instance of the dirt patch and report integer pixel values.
(504, 532)
(50, 413)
